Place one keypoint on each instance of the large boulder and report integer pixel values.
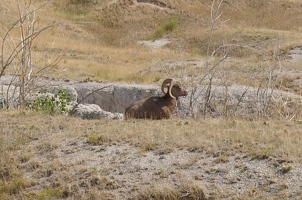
(113, 97)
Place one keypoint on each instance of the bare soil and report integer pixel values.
(69, 159)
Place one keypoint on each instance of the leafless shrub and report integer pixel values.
(214, 94)
(17, 54)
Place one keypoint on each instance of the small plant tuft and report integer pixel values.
(51, 193)
(160, 32)
(163, 191)
(170, 25)
(166, 28)
(14, 186)
(285, 168)
(96, 139)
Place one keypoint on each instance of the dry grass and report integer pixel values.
(90, 46)
(53, 157)
(35, 147)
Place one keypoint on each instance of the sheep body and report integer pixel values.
(157, 107)
(151, 108)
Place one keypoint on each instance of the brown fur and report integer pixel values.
(155, 107)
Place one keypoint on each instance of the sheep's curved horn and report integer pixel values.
(165, 83)
(171, 85)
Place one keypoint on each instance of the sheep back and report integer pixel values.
(151, 108)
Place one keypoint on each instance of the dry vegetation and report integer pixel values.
(98, 39)
(57, 157)
(54, 157)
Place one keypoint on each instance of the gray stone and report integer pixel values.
(93, 111)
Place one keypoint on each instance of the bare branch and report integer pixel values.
(72, 111)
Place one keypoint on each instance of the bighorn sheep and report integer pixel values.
(157, 107)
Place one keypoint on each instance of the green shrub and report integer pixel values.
(170, 25)
(167, 27)
(51, 104)
(160, 32)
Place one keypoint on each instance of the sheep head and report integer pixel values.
(174, 88)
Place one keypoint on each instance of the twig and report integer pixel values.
(75, 106)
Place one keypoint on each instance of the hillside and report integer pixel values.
(234, 54)
(98, 40)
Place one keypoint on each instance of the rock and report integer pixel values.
(93, 111)
(9, 96)
(70, 91)
(113, 97)
(154, 43)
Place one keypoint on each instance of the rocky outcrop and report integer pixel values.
(90, 100)
(108, 100)
(113, 97)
